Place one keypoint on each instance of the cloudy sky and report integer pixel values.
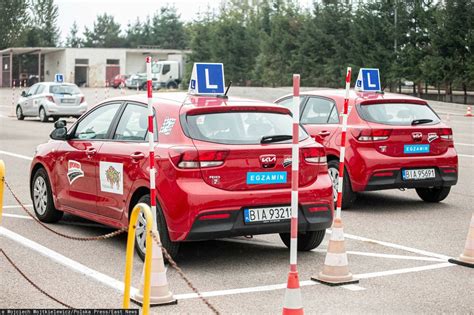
(84, 12)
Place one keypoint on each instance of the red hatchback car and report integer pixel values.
(222, 164)
(393, 141)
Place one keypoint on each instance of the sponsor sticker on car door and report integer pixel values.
(111, 177)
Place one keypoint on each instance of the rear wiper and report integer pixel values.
(275, 138)
(421, 121)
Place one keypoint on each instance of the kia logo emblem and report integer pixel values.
(417, 136)
(268, 160)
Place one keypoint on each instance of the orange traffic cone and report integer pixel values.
(292, 304)
(336, 266)
(469, 112)
(159, 293)
(467, 257)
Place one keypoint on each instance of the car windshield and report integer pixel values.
(399, 114)
(241, 127)
(64, 89)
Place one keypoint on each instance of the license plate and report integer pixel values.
(424, 173)
(267, 215)
(68, 100)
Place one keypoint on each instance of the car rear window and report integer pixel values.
(240, 127)
(400, 114)
(64, 89)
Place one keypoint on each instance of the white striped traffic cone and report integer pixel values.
(160, 293)
(469, 112)
(293, 304)
(467, 257)
(336, 266)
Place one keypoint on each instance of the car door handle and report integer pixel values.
(324, 133)
(137, 156)
(91, 151)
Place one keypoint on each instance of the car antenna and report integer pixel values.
(226, 90)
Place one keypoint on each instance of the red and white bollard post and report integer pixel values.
(293, 303)
(13, 109)
(160, 293)
(336, 267)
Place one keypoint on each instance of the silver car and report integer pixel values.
(51, 99)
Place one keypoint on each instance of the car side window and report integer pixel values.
(97, 123)
(40, 89)
(319, 111)
(32, 90)
(166, 69)
(288, 102)
(133, 125)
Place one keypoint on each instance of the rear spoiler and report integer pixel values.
(385, 101)
(237, 108)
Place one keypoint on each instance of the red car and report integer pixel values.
(393, 141)
(224, 170)
(118, 80)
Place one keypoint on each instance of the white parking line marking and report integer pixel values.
(24, 157)
(464, 144)
(14, 207)
(65, 261)
(402, 271)
(466, 155)
(74, 223)
(17, 216)
(353, 287)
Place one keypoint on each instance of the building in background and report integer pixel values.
(83, 66)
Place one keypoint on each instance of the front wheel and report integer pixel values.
(140, 234)
(433, 194)
(19, 113)
(306, 241)
(43, 198)
(348, 196)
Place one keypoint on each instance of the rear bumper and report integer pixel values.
(442, 179)
(66, 110)
(235, 226)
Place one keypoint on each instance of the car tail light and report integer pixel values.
(314, 155)
(82, 100)
(374, 134)
(318, 208)
(446, 134)
(50, 98)
(189, 157)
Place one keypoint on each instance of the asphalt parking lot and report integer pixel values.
(397, 245)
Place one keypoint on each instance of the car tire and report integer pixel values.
(172, 86)
(42, 115)
(143, 86)
(19, 113)
(56, 118)
(306, 241)
(42, 197)
(171, 247)
(433, 194)
(348, 196)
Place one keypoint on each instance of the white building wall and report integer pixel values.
(55, 63)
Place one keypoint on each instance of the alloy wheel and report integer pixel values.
(40, 195)
(140, 232)
(334, 174)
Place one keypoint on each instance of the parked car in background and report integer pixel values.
(118, 80)
(137, 80)
(393, 142)
(51, 99)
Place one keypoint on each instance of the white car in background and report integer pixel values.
(51, 99)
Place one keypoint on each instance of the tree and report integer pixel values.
(73, 39)
(167, 29)
(43, 30)
(104, 34)
(13, 21)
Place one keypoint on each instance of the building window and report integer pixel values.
(82, 61)
(113, 61)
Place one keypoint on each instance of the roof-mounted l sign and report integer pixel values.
(368, 80)
(58, 78)
(207, 79)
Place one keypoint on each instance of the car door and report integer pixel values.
(320, 118)
(123, 160)
(27, 103)
(37, 98)
(78, 164)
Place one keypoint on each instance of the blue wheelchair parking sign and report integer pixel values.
(368, 80)
(207, 79)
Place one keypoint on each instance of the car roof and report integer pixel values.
(359, 97)
(61, 83)
(188, 102)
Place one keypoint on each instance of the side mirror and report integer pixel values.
(60, 124)
(59, 134)
(23, 93)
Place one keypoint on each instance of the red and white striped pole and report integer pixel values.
(151, 141)
(343, 143)
(293, 303)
